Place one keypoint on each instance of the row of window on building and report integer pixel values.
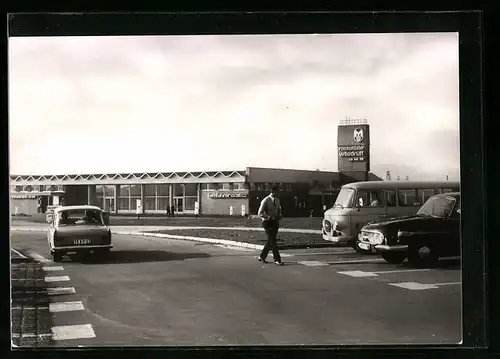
(156, 196)
(264, 186)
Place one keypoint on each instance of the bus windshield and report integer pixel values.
(345, 198)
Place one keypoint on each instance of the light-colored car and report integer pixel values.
(77, 229)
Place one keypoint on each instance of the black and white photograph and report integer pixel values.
(235, 190)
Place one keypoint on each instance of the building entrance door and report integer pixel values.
(179, 204)
(109, 204)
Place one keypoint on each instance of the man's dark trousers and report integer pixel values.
(271, 227)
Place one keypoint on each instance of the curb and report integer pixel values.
(28, 229)
(242, 229)
(198, 239)
(224, 242)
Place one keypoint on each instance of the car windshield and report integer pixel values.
(79, 217)
(344, 199)
(439, 207)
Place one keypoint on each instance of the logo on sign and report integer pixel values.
(358, 134)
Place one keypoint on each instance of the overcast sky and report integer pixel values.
(179, 103)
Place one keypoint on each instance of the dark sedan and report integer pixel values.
(433, 232)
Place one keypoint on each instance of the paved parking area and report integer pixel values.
(152, 291)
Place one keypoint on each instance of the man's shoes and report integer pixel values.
(261, 260)
(278, 263)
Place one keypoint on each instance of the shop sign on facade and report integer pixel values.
(217, 195)
(23, 196)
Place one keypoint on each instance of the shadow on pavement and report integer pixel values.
(447, 264)
(119, 257)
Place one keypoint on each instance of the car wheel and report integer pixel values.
(422, 255)
(394, 258)
(57, 256)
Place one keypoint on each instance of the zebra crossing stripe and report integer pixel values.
(67, 332)
(61, 290)
(57, 279)
(313, 263)
(65, 306)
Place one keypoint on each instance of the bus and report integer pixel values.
(359, 203)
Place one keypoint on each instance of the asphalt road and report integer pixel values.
(152, 291)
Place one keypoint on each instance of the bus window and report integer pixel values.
(390, 197)
(408, 198)
(370, 198)
(446, 190)
(425, 194)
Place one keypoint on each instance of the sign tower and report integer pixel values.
(353, 144)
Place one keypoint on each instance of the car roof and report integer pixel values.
(75, 208)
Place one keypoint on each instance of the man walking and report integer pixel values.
(270, 212)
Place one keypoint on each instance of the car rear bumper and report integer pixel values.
(81, 248)
(396, 248)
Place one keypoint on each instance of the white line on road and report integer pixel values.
(359, 273)
(65, 307)
(50, 269)
(68, 332)
(420, 286)
(19, 253)
(313, 263)
(60, 291)
(401, 271)
(56, 279)
(44, 307)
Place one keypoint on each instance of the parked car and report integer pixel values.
(433, 232)
(78, 229)
(362, 203)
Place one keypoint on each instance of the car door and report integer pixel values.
(447, 230)
(453, 227)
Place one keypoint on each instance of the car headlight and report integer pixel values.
(372, 237)
(378, 238)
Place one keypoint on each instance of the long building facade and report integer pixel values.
(235, 193)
